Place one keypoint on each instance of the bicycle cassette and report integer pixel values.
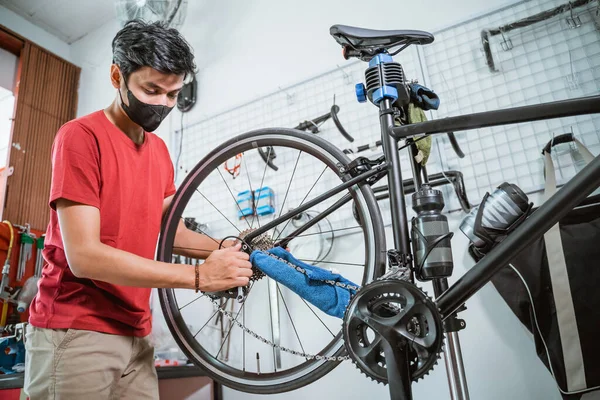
(408, 317)
(262, 242)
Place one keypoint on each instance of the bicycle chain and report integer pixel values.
(274, 345)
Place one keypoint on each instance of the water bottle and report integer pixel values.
(27, 294)
(499, 212)
(430, 235)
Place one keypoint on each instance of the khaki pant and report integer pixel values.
(65, 364)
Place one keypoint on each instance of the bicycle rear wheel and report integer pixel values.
(359, 255)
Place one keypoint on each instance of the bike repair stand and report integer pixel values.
(455, 370)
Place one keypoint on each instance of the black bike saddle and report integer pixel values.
(372, 41)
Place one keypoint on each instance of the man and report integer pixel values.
(112, 180)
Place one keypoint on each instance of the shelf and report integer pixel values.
(184, 371)
(11, 381)
(15, 381)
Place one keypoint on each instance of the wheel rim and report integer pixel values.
(245, 378)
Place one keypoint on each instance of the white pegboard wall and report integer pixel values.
(548, 62)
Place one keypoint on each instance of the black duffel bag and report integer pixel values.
(553, 287)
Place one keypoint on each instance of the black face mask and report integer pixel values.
(148, 116)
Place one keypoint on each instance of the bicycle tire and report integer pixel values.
(312, 370)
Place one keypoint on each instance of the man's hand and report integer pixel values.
(225, 269)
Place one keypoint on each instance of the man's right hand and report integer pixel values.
(225, 269)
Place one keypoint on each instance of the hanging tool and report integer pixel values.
(237, 164)
(373, 146)
(334, 116)
(268, 155)
(39, 259)
(27, 240)
(454, 178)
(314, 124)
(572, 78)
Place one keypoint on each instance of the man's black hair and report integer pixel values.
(154, 45)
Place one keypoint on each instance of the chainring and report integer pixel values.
(406, 309)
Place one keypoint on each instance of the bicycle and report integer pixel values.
(391, 330)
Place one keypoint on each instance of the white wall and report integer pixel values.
(93, 54)
(21, 26)
(258, 46)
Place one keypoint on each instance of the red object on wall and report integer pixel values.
(14, 262)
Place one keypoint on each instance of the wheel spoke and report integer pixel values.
(332, 262)
(197, 298)
(232, 224)
(248, 176)
(231, 328)
(302, 202)
(244, 338)
(204, 326)
(198, 230)
(290, 317)
(289, 185)
(247, 173)
(261, 183)
(330, 231)
(313, 311)
(232, 196)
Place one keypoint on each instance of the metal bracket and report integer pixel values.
(397, 259)
(359, 166)
(453, 323)
(573, 21)
(506, 42)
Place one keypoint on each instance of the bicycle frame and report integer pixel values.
(548, 214)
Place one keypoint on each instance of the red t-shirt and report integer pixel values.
(95, 163)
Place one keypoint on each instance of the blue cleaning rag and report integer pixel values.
(424, 97)
(312, 287)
